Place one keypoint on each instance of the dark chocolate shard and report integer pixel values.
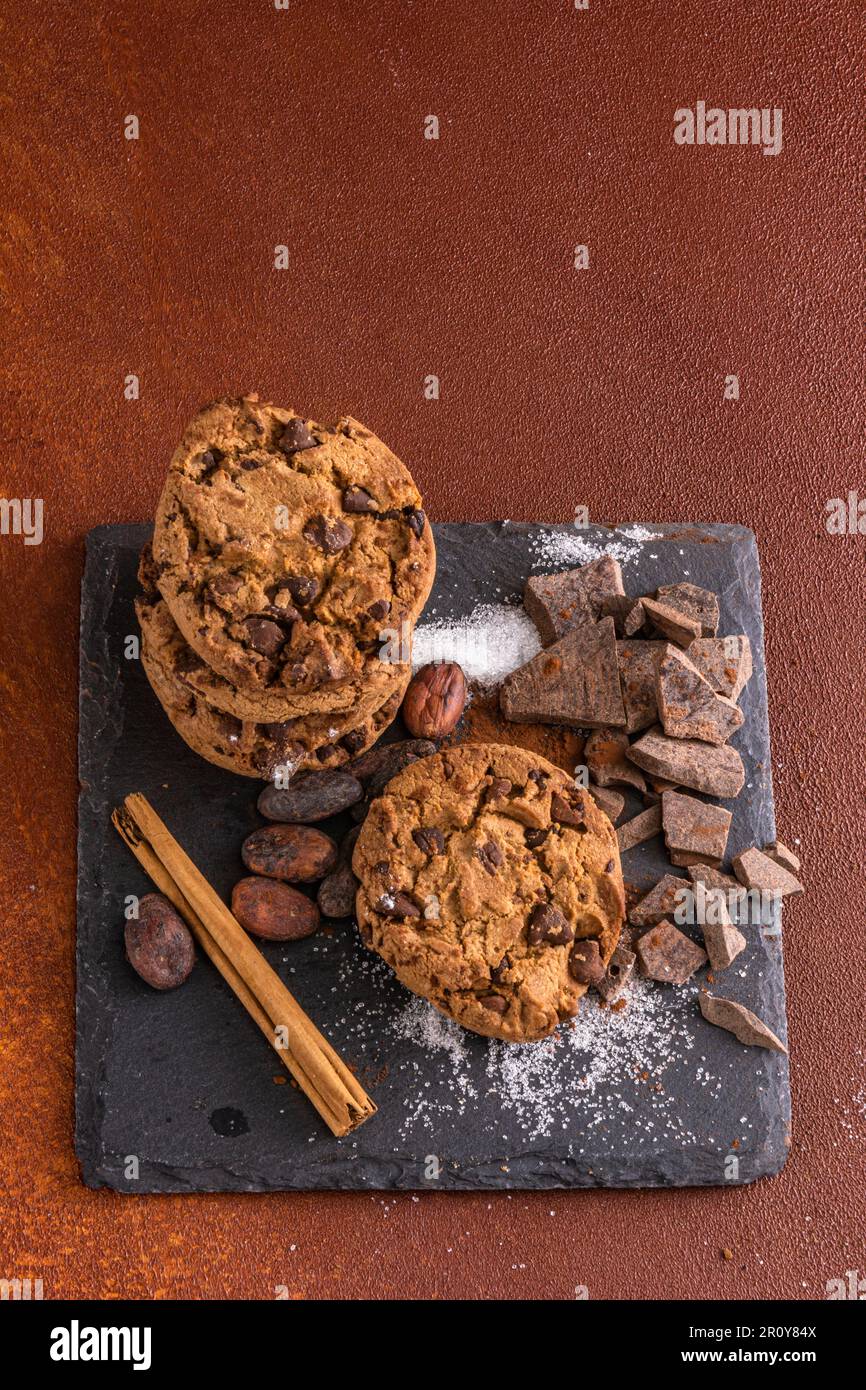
(722, 941)
(575, 682)
(618, 973)
(673, 624)
(687, 704)
(605, 754)
(558, 602)
(780, 854)
(695, 831)
(717, 771)
(666, 954)
(640, 828)
(735, 893)
(737, 1019)
(755, 869)
(612, 803)
(663, 900)
(700, 605)
(627, 613)
(726, 662)
(637, 673)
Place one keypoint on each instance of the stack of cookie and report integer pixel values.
(289, 563)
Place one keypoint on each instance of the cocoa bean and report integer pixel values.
(434, 700)
(273, 910)
(294, 853)
(380, 764)
(159, 944)
(336, 896)
(311, 796)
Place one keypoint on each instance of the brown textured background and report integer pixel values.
(410, 257)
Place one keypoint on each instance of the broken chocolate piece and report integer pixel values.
(699, 605)
(495, 1002)
(490, 855)
(575, 682)
(722, 942)
(585, 964)
(296, 436)
(735, 893)
(668, 955)
(429, 839)
(740, 1021)
(688, 706)
(627, 613)
(567, 812)
(780, 854)
(618, 973)
(639, 828)
(661, 901)
(547, 923)
(612, 803)
(398, 905)
(695, 831)
(328, 533)
(264, 636)
(558, 602)
(675, 626)
(637, 672)
(605, 754)
(359, 501)
(756, 870)
(726, 662)
(717, 771)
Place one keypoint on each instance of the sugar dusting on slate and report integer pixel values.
(568, 549)
(494, 640)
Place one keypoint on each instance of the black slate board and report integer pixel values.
(183, 1083)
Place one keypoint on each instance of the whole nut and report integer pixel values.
(295, 853)
(434, 700)
(273, 910)
(159, 945)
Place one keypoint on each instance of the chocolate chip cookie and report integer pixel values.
(167, 646)
(256, 749)
(284, 548)
(492, 886)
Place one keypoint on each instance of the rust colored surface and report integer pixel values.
(410, 257)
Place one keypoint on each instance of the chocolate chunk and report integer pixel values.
(585, 964)
(627, 613)
(295, 437)
(734, 892)
(534, 838)
(490, 855)
(722, 941)
(726, 662)
(784, 857)
(264, 636)
(495, 1002)
(497, 971)
(639, 829)
(688, 706)
(328, 534)
(605, 754)
(740, 1021)
(676, 626)
(547, 923)
(575, 682)
(557, 603)
(379, 610)
(429, 839)
(353, 741)
(398, 905)
(618, 973)
(187, 662)
(717, 771)
(312, 796)
(302, 587)
(211, 458)
(249, 465)
(668, 955)
(415, 519)
(637, 672)
(661, 901)
(699, 605)
(225, 584)
(756, 870)
(359, 500)
(695, 831)
(612, 803)
(498, 789)
(567, 812)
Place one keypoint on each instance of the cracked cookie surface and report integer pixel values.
(255, 749)
(480, 868)
(284, 548)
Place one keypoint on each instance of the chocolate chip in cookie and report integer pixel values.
(295, 437)
(359, 501)
(585, 963)
(429, 840)
(564, 813)
(397, 905)
(546, 923)
(264, 636)
(328, 534)
(490, 855)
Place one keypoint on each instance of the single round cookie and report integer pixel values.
(256, 749)
(284, 548)
(167, 644)
(481, 868)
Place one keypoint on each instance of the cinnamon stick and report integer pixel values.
(316, 1066)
